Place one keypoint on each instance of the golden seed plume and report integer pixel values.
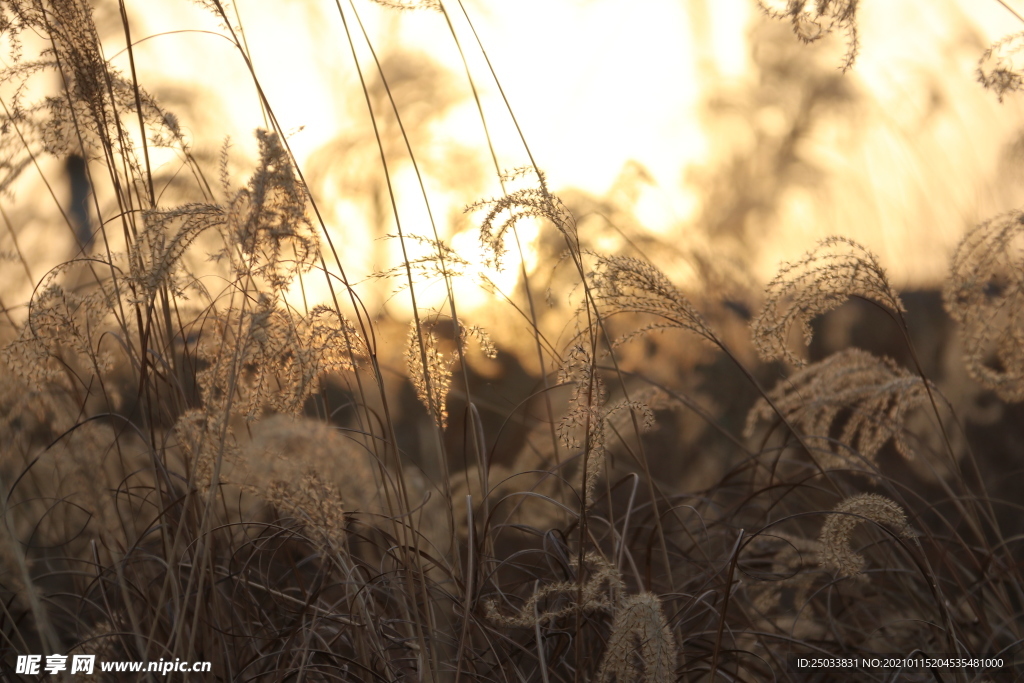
(999, 66)
(819, 282)
(433, 382)
(526, 204)
(641, 646)
(872, 394)
(812, 21)
(985, 294)
(603, 578)
(836, 553)
(623, 284)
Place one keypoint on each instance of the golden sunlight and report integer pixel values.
(678, 119)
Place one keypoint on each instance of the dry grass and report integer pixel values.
(198, 462)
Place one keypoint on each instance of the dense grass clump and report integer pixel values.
(201, 460)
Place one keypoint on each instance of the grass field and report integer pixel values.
(393, 411)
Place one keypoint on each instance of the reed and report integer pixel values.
(201, 461)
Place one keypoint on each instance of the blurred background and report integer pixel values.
(703, 134)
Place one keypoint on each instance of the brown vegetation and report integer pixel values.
(198, 462)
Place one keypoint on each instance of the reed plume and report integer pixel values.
(315, 503)
(623, 284)
(823, 17)
(562, 598)
(867, 398)
(999, 67)
(836, 552)
(433, 382)
(641, 646)
(985, 294)
(56, 344)
(528, 203)
(821, 281)
(267, 222)
(207, 459)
